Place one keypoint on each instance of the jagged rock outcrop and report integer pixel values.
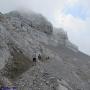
(62, 39)
(61, 65)
(25, 21)
(33, 20)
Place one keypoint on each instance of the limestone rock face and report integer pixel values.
(60, 36)
(61, 66)
(36, 21)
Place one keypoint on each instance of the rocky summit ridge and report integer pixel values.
(33, 56)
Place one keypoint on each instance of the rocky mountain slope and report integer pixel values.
(61, 66)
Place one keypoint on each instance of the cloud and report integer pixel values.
(69, 21)
(72, 15)
(78, 29)
(72, 2)
(75, 19)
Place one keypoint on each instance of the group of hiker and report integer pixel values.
(36, 58)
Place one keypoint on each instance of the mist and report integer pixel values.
(60, 14)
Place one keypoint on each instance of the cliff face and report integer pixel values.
(61, 66)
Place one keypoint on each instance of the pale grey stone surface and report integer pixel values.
(62, 65)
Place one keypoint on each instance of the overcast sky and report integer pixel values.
(71, 15)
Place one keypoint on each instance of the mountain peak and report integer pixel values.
(36, 56)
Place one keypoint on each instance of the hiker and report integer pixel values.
(39, 57)
(47, 58)
(34, 59)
